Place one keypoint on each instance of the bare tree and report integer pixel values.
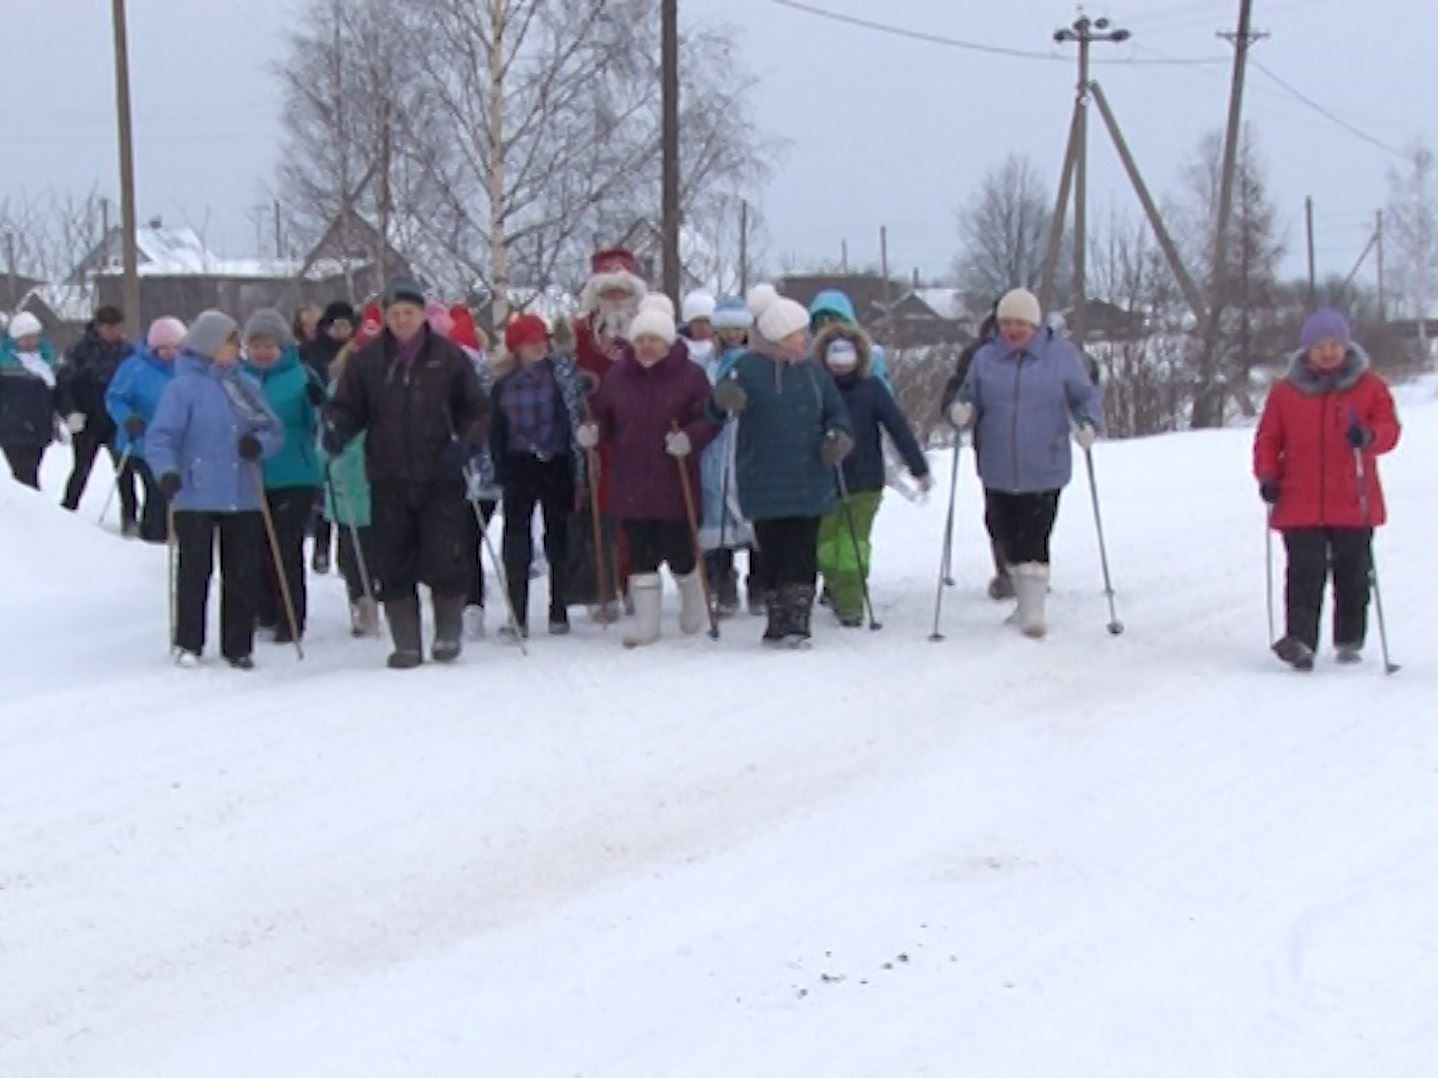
(1003, 229)
(46, 235)
(1412, 224)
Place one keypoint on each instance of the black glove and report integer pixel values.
(729, 397)
(455, 456)
(249, 447)
(134, 426)
(1269, 490)
(836, 447)
(1359, 436)
(315, 394)
(170, 484)
(331, 440)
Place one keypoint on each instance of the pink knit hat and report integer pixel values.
(438, 317)
(166, 332)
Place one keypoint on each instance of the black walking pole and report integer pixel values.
(946, 555)
(498, 568)
(1389, 666)
(1114, 625)
(874, 625)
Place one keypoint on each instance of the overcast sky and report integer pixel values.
(880, 130)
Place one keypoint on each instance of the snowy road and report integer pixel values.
(1153, 854)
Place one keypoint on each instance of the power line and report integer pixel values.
(1299, 95)
(974, 46)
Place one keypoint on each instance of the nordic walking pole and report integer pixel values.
(683, 464)
(600, 591)
(172, 542)
(1268, 549)
(279, 566)
(1114, 625)
(946, 554)
(346, 511)
(499, 573)
(1389, 666)
(119, 473)
(874, 625)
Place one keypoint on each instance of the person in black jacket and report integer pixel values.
(81, 380)
(845, 555)
(417, 396)
(336, 326)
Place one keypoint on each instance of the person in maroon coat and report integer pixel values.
(649, 412)
(1328, 412)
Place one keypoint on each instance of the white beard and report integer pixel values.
(612, 320)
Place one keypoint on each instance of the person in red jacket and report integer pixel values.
(650, 412)
(1328, 411)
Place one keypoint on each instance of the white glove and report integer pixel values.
(1085, 435)
(587, 435)
(75, 422)
(961, 414)
(676, 444)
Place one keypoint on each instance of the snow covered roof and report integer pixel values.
(180, 252)
(71, 303)
(945, 302)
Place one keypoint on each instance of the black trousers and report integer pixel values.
(1312, 553)
(290, 509)
(87, 445)
(788, 552)
(549, 485)
(474, 548)
(655, 542)
(1001, 567)
(25, 464)
(1022, 523)
(349, 561)
(240, 541)
(419, 533)
(152, 518)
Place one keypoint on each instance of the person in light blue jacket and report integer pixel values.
(1025, 393)
(131, 399)
(210, 432)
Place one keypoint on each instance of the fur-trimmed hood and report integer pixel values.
(602, 282)
(1312, 383)
(855, 335)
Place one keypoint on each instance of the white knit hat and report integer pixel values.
(760, 297)
(1020, 305)
(782, 318)
(698, 307)
(25, 324)
(653, 321)
(658, 301)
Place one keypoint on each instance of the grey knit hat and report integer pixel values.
(268, 322)
(403, 289)
(209, 332)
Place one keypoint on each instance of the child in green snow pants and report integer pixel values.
(844, 565)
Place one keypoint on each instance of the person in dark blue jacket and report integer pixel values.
(845, 556)
(209, 434)
(131, 399)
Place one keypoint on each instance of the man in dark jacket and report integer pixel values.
(81, 381)
(418, 397)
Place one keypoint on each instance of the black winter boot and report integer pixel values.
(403, 618)
(448, 627)
(778, 614)
(798, 601)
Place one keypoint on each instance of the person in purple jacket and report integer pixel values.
(210, 432)
(1025, 392)
(651, 409)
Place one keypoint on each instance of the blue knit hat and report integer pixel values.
(1324, 324)
(731, 312)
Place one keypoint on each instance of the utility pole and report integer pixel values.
(844, 256)
(1382, 304)
(669, 76)
(13, 299)
(1085, 31)
(743, 247)
(1208, 403)
(279, 236)
(1312, 266)
(127, 167)
(884, 270)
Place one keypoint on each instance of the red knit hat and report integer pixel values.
(463, 333)
(525, 329)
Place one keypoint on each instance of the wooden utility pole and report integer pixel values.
(127, 167)
(884, 270)
(279, 235)
(1085, 31)
(1208, 403)
(1382, 304)
(743, 247)
(1312, 265)
(669, 76)
(1056, 222)
(12, 299)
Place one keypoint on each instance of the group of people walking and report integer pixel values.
(643, 437)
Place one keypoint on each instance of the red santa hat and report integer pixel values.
(610, 269)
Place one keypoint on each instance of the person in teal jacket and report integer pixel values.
(792, 433)
(292, 476)
(131, 398)
(27, 397)
(833, 305)
(346, 495)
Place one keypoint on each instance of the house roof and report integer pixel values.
(166, 251)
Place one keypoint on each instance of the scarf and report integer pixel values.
(35, 364)
(247, 400)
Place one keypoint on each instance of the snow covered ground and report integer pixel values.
(1160, 853)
